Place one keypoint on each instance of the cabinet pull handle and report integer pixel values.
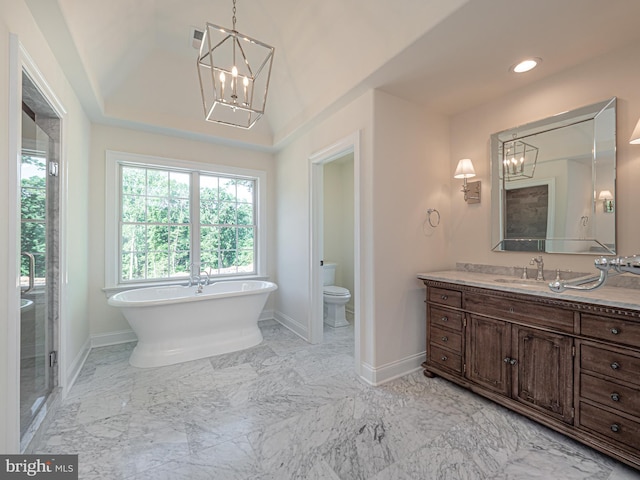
(444, 358)
(615, 331)
(444, 297)
(615, 397)
(444, 319)
(511, 310)
(445, 339)
(615, 365)
(615, 428)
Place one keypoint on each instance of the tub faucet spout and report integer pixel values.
(203, 281)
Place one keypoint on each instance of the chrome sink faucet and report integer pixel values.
(540, 264)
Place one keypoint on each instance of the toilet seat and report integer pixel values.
(334, 291)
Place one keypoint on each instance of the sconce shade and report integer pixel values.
(635, 137)
(464, 169)
(605, 195)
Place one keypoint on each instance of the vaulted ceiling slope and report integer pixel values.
(132, 62)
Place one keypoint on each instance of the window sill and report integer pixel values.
(111, 291)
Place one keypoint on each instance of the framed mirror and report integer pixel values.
(553, 183)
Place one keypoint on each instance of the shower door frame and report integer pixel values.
(20, 61)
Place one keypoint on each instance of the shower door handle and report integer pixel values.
(32, 272)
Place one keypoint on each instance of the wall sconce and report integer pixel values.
(607, 201)
(471, 190)
(635, 136)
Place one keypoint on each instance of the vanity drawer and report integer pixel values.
(446, 359)
(444, 296)
(516, 310)
(610, 425)
(611, 363)
(610, 329)
(610, 394)
(446, 339)
(445, 318)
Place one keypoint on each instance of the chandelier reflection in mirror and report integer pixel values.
(234, 72)
(518, 160)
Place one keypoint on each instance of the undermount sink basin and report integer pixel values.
(519, 282)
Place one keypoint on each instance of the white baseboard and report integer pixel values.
(112, 338)
(390, 371)
(300, 330)
(74, 369)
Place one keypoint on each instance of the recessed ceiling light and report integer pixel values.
(526, 65)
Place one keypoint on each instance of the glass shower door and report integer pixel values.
(36, 326)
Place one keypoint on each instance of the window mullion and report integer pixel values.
(195, 217)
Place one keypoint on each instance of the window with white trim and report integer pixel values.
(167, 215)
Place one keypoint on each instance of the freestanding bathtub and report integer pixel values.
(176, 324)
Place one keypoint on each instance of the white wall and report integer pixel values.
(411, 151)
(615, 74)
(403, 172)
(293, 210)
(16, 18)
(106, 320)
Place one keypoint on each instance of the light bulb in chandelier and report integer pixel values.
(245, 84)
(234, 84)
(222, 80)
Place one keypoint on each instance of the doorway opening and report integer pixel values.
(335, 232)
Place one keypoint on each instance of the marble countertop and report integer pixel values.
(609, 296)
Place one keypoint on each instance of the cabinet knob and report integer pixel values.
(615, 331)
(513, 361)
(615, 428)
(445, 339)
(444, 319)
(444, 297)
(615, 365)
(444, 358)
(615, 397)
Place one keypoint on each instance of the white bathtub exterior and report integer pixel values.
(175, 324)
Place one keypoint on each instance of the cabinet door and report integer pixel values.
(543, 374)
(488, 345)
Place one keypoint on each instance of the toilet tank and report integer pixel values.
(329, 273)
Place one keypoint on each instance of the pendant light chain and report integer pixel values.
(234, 15)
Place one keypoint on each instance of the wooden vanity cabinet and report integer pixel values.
(531, 366)
(444, 331)
(574, 367)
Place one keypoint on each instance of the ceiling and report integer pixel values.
(132, 63)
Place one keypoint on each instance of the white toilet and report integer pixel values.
(335, 298)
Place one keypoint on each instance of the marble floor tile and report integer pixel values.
(286, 409)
